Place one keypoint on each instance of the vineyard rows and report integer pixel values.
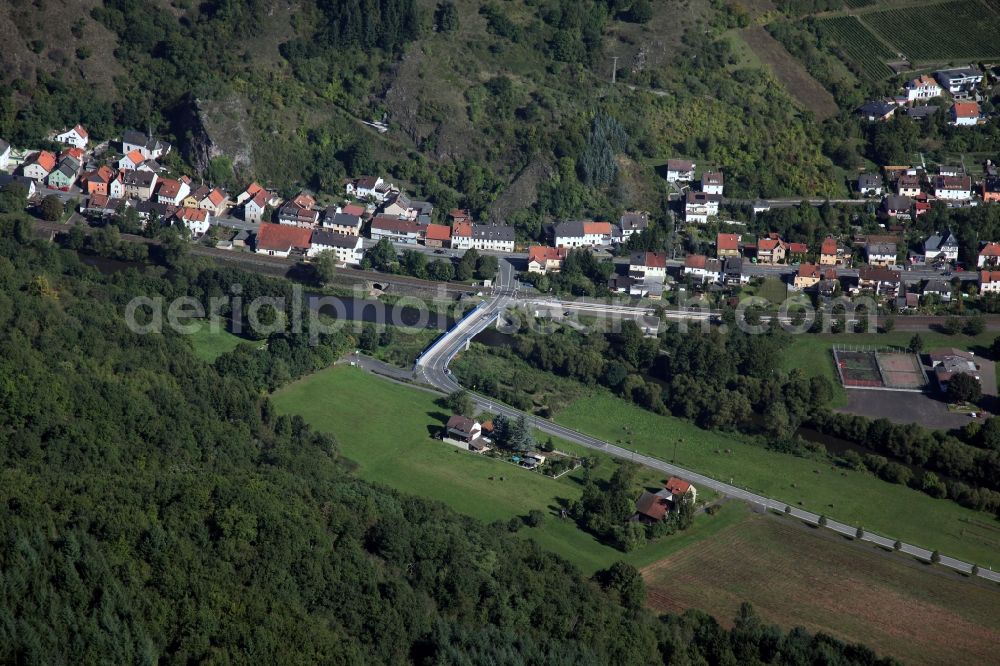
(947, 31)
(858, 45)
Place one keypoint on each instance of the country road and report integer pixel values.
(432, 368)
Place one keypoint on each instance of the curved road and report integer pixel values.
(432, 367)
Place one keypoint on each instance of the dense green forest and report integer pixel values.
(154, 509)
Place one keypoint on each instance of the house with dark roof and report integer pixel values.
(953, 188)
(466, 433)
(139, 184)
(680, 171)
(652, 507)
(395, 229)
(495, 237)
(702, 268)
(632, 223)
(712, 182)
(699, 206)
(644, 265)
(941, 247)
(870, 184)
(582, 233)
(876, 111)
(348, 249)
(150, 148)
(940, 289)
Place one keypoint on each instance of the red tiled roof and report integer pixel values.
(45, 159)
(196, 214)
(460, 215)
(253, 188)
(354, 209)
(798, 248)
(394, 224)
(259, 198)
(74, 152)
(282, 237)
(829, 246)
(990, 250)
(655, 260)
(677, 486)
(727, 242)
(966, 109)
(463, 229)
(439, 232)
(169, 188)
(98, 200)
(135, 157)
(989, 276)
(597, 228)
(216, 197)
(542, 253)
(82, 132)
(767, 244)
(304, 200)
(695, 261)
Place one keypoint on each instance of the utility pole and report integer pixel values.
(614, 69)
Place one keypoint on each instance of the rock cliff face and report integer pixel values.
(210, 128)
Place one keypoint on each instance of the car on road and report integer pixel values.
(438, 251)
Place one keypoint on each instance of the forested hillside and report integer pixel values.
(491, 105)
(153, 509)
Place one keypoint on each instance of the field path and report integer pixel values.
(795, 575)
(790, 72)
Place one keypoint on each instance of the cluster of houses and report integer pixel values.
(701, 204)
(908, 192)
(961, 84)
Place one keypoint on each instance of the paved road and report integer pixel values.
(432, 367)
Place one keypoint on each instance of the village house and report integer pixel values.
(348, 249)
(870, 184)
(961, 82)
(882, 281)
(699, 206)
(964, 114)
(195, 220)
(467, 433)
(941, 247)
(543, 259)
(771, 251)
(652, 507)
(39, 166)
(899, 207)
(680, 489)
(101, 205)
(459, 215)
(214, 202)
(647, 265)
(923, 87)
(495, 237)
(727, 245)
(876, 111)
(116, 188)
(937, 288)
(632, 223)
(921, 112)
(991, 189)
(77, 136)
(399, 205)
(148, 147)
(881, 254)
(989, 282)
(810, 275)
(131, 160)
(437, 235)
(139, 184)
(255, 206)
(680, 171)
(342, 223)
(702, 268)
(395, 229)
(64, 175)
(281, 240)
(22, 181)
(830, 254)
(953, 188)
(989, 256)
(948, 362)
(249, 193)
(461, 235)
(908, 185)
(370, 188)
(4, 155)
(299, 211)
(732, 271)
(712, 182)
(97, 181)
(582, 233)
(172, 191)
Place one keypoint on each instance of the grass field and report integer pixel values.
(386, 429)
(209, 344)
(853, 591)
(858, 45)
(940, 32)
(774, 289)
(854, 497)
